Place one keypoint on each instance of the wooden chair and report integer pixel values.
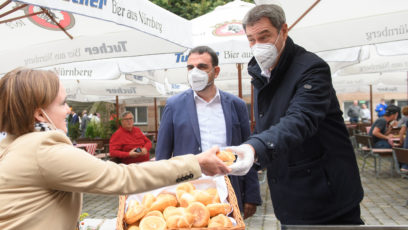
(400, 155)
(366, 149)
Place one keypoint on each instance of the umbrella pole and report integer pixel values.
(56, 23)
(371, 103)
(117, 110)
(252, 108)
(239, 67)
(155, 119)
(304, 14)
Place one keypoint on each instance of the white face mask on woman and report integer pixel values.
(265, 55)
(198, 79)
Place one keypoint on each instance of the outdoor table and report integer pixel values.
(89, 147)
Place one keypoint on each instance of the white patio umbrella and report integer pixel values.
(103, 31)
(220, 29)
(36, 41)
(338, 30)
(126, 87)
(380, 58)
(334, 24)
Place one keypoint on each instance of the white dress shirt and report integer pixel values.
(211, 122)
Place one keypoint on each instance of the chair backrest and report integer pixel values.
(401, 154)
(364, 140)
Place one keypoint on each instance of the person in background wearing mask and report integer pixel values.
(43, 175)
(204, 116)
(300, 135)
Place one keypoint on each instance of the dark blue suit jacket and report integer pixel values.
(179, 134)
(301, 138)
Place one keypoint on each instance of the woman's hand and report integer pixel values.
(210, 164)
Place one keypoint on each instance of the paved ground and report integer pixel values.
(384, 203)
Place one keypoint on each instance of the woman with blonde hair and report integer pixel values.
(42, 175)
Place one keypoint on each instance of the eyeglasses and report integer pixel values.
(127, 119)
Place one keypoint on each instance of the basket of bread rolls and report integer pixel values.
(206, 203)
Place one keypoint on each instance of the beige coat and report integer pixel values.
(42, 177)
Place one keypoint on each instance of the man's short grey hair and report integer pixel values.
(122, 115)
(274, 13)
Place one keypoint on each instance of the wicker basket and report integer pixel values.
(232, 199)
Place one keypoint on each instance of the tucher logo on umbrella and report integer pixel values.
(65, 19)
(230, 28)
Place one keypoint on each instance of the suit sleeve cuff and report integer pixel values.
(261, 159)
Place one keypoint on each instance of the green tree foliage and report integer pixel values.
(190, 9)
(73, 131)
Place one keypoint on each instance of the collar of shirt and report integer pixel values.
(215, 99)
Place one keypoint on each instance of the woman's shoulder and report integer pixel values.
(53, 136)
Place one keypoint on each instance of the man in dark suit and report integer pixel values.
(300, 135)
(203, 116)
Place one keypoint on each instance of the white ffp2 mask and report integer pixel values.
(265, 55)
(198, 79)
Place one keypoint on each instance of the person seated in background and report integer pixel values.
(404, 117)
(381, 129)
(403, 135)
(393, 102)
(128, 143)
(365, 114)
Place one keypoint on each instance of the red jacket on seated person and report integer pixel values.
(129, 143)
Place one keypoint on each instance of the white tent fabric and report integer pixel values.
(345, 52)
(36, 42)
(89, 64)
(141, 15)
(220, 29)
(388, 82)
(385, 57)
(107, 90)
(334, 24)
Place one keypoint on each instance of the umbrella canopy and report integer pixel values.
(384, 57)
(37, 41)
(334, 24)
(89, 62)
(107, 90)
(364, 38)
(220, 29)
(389, 82)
